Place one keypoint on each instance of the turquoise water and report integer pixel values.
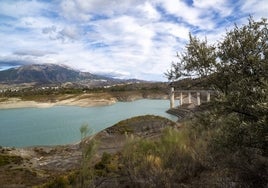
(60, 124)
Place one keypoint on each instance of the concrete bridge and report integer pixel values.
(189, 96)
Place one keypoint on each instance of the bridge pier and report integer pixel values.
(189, 97)
(172, 97)
(208, 96)
(181, 99)
(198, 98)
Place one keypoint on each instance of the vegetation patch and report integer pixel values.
(3, 99)
(140, 124)
(10, 159)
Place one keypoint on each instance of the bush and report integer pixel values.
(170, 161)
(8, 159)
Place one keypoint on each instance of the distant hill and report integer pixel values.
(42, 74)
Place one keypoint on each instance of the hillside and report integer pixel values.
(44, 74)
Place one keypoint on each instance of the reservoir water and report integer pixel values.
(60, 124)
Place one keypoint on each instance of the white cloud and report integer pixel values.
(70, 10)
(49, 30)
(18, 9)
(223, 7)
(148, 11)
(257, 8)
(172, 29)
(188, 14)
(130, 38)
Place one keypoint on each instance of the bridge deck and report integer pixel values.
(193, 91)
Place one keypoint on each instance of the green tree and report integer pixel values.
(238, 69)
(199, 59)
(244, 52)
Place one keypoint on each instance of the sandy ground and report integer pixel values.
(12, 103)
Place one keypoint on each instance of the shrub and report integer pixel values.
(170, 161)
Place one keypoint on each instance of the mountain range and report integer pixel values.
(44, 74)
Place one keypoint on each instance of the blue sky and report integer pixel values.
(123, 38)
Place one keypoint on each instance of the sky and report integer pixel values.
(120, 38)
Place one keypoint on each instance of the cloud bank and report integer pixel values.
(126, 38)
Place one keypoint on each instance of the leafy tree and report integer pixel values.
(244, 52)
(199, 59)
(238, 69)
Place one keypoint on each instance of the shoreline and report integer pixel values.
(17, 103)
(85, 100)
